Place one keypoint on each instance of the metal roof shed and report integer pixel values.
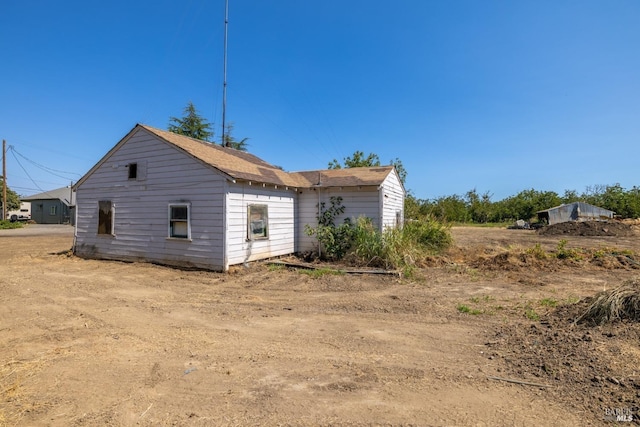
(576, 211)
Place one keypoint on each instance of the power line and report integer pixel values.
(25, 171)
(52, 171)
(13, 187)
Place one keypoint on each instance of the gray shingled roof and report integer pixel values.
(63, 194)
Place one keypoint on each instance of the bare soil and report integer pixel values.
(87, 342)
(590, 228)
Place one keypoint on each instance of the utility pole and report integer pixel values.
(4, 179)
(70, 202)
(224, 83)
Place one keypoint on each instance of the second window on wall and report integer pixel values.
(179, 225)
(257, 222)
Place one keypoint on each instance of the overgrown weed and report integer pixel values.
(8, 225)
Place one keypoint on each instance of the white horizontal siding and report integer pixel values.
(281, 214)
(307, 214)
(356, 201)
(393, 200)
(141, 207)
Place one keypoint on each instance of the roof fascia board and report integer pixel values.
(351, 186)
(395, 171)
(252, 182)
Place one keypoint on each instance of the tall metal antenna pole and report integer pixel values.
(224, 84)
(4, 180)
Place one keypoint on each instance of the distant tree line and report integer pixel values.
(474, 207)
(471, 207)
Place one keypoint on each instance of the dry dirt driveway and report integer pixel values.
(86, 343)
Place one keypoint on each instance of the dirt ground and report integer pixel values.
(86, 342)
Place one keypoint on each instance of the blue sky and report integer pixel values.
(499, 96)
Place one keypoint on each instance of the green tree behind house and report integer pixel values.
(358, 160)
(231, 141)
(191, 125)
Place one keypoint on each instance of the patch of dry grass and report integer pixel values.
(15, 398)
(12, 393)
(622, 303)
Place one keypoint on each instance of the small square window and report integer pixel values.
(258, 222)
(179, 224)
(133, 170)
(53, 210)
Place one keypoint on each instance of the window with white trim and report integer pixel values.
(257, 222)
(106, 217)
(180, 220)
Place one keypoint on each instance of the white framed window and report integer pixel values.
(106, 218)
(53, 210)
(257, 222)
(180, 220)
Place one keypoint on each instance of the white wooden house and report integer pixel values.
(161, 197)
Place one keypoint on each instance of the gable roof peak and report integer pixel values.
(244, 166)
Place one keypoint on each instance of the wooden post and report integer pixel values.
(70, 201)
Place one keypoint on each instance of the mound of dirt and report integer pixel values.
(525, 261)
(575, 360)
(513, 261)
(588, 228)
